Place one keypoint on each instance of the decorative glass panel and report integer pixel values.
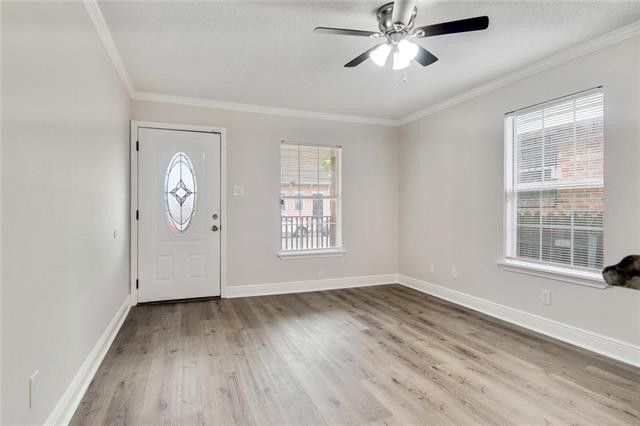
(180, 192)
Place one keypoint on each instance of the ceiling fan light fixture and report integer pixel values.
(396, 25)
(400, 61)
(379, 56)
(408, 49)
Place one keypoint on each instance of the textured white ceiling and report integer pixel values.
(265, 53)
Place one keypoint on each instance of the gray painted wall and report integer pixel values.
(65, 169)
(369, 186)
(451, 194)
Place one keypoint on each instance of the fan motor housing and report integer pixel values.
(385, 20)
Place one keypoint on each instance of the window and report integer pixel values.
(180, 192)
(310, 194)
(555, 182)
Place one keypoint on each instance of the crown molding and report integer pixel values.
(260, 109)
(574, 52)
(93, 9)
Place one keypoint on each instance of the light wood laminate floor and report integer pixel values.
(377, 355)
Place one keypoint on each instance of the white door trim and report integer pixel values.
(133, 236)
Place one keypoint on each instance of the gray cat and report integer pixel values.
(624, 274)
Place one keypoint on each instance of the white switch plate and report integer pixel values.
(454, 273)
(432, 268)
(33, 388)
(238, 190)
(545, 297)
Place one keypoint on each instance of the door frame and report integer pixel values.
(133, 235)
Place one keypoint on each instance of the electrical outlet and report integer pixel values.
(432, 268)
(545, 297)
(454, 273)
(33, 388)
(320, 274)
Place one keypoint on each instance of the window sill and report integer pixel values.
(558, 273)
(306, 254)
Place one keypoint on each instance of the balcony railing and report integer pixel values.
(307, 232)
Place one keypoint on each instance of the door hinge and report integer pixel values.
(136, 283)
(137, 145)
(137, 214)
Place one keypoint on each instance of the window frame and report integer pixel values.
(338, 249)
(510, 262)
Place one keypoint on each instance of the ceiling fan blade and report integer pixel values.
(424, 57)
(360, 59)
(344, 31)
(471, 24)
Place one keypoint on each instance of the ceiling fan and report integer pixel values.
(395, 21)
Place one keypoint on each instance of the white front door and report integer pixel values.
(179, 214)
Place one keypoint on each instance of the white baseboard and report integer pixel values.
(68, 403)
(607, 346)
(306, 286)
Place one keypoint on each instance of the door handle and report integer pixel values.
(214, 228)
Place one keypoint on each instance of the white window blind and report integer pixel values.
(555, 182)
(310, 197)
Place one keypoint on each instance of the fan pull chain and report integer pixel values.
(396, 82)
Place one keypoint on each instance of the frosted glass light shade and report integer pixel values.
(379, 56)
(400, 62)
(408, 49)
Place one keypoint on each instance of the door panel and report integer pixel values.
(178, 195)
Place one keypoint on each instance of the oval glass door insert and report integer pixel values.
(180, 192)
